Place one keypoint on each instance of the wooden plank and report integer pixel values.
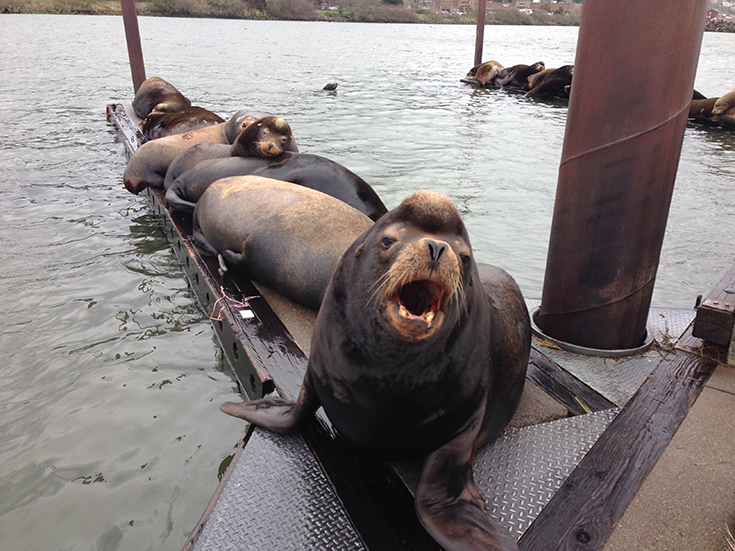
(715, 318)
(564, 387)
(583, 512)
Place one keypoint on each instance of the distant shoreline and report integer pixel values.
(358, 11)
(370, 11)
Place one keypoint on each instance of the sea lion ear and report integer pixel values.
(358, 251)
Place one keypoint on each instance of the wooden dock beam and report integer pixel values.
(715, 321)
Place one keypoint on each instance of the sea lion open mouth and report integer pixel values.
(419, 300)
(416, 310)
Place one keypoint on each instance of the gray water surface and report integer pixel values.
(110, 378)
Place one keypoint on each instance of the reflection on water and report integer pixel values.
(110, 433)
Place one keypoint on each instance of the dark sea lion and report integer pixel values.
(312, 171)
(537, 78)
(517, 75)
(156, 93)
(485, 73)
(160, 124)
(412, 356)
(189, 158)
(148, 165)
(283, 235)
(330, 87)
(550, 83)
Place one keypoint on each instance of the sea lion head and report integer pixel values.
(267, 137)
(420, 260)
(724, 104)
(240, 121)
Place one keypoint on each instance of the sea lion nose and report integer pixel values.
(436, 250)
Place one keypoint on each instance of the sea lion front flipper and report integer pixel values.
(449, 504)
(275, 413)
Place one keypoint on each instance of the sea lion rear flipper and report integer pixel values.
(275, 413)
(449, 504)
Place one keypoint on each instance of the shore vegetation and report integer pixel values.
(378, 11)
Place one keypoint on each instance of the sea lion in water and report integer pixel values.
(312, 171)
(555, 83)
(485, 73)
(160, 124)
(412, 356)
(517, 75)
(157, 94)
(283, 235)
(148, 165)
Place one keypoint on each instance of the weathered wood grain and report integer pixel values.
(583, 512)
(564, 387)
(716, 315)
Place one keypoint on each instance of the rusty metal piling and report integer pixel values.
(633, 78)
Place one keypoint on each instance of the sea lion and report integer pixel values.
(485, 73)
(148, 165)
(189, 158)
(555, 84)
(700, 110)
(312, 171)
(156, 93)
(160, 124)
(550, 83)
(285, 236)
(724, 109)
(517, 75)
(412, 356)
(330, 87)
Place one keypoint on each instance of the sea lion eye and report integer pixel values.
(465, 258)
(387, 242)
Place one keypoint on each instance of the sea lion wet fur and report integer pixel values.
(283, 235)
(417, 352)
(148, 165)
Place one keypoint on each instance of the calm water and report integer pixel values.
(110, 379)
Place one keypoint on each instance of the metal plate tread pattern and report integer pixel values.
(519, 473)
(277, 498)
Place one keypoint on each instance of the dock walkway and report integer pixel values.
(588, 432)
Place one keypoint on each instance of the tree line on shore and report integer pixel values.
(385, 11)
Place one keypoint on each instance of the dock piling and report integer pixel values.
(633, 80)
(132, 37)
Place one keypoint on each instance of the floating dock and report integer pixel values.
(588, 431)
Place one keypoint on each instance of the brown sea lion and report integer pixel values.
(191, 157)
(724, 109)
(413, 356)
(156, 93)
(700, 110)
(160, 124)
(148, 165)
(485, 73)
(283, 235)
(517, 75)
(554, 84)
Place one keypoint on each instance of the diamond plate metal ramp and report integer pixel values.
(520, 472)
(277, 498)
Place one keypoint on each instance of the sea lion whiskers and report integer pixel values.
(379, 285)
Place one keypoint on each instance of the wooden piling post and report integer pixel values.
(132, 37)
(480, 35)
